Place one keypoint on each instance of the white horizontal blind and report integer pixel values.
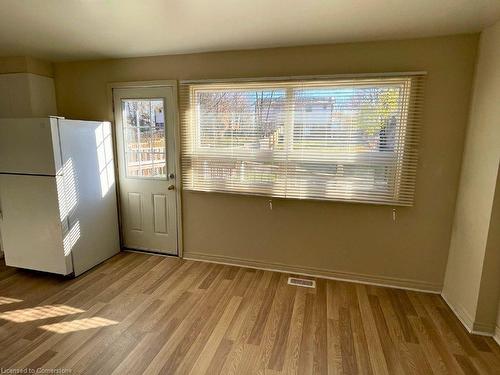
(349, 139)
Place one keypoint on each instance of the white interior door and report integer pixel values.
(145, 134)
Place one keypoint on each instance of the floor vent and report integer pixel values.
(302, 282)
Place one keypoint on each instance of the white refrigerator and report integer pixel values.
(58, 208)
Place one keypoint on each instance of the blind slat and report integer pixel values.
(350, 139)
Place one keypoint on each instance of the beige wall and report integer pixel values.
(472, 281)
(349, 240)
(489, 288)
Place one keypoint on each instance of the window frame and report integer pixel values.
(126, 152)
(296, 157)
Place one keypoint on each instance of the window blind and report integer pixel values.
(341, 138)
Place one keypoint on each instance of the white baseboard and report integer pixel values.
(496, 335)
(460, 312)
(477, 328)
(399, 283)
(483, 329)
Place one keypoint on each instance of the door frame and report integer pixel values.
(177, 142)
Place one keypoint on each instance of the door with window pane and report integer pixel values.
(144, 120)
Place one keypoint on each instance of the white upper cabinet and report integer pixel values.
(29, 146)
(27, 95)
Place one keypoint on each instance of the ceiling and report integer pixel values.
(92, 29)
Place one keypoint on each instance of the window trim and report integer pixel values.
(284, 79)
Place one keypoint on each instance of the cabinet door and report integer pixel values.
(30, 146)
(31, 224)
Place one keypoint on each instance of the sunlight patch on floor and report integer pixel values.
(7, 300)
(78, 325)
(41, 312)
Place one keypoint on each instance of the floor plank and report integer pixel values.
(139, 313)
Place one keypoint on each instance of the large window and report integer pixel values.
(350, 139)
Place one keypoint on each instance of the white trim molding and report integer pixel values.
(484, 329)
(399, 283)
(476, 328)
(460, 312)
(304, 77)
(496, 335)
(178, 180)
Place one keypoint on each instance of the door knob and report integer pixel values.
(171, 187)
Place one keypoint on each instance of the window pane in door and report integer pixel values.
(144, 137)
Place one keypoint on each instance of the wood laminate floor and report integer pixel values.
(139, 313)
